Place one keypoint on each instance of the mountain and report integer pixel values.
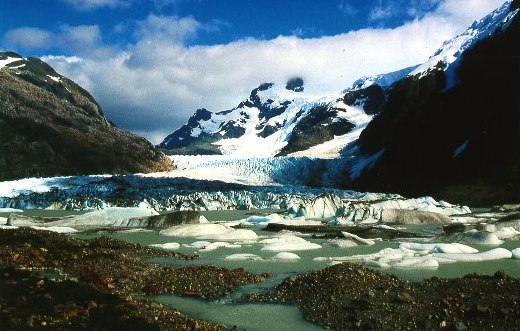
(51, 126)
(284, 120)
(451, 128)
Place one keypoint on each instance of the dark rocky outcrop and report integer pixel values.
(372, 99)
(50, 126)
(460, 144)
(295, 84)
(318, 126)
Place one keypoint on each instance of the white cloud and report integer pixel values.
(28, 38)
(346, 8)
(383, 10)
(94, 4)
(153, 85)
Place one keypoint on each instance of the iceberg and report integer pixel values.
(244, 257)
(287, 243)
(417, 263)
(167, 246)
(285, 256)
(494, 254)
(515, 253)
(209, 231)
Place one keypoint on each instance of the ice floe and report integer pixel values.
(10, 210)
(507, 233)
(287, 243)
(244, 257)
(113, 216)
(210, 231)
(341, 243)
(285, 256)
(207, 246)
(481, 238)
(493, 254)
(421, 256)
(167, 246)
(357, 239)
(425, 262)
(57, 229)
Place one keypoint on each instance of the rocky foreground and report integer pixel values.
(350, 297)
(104, 285)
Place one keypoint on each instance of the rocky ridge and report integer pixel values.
(285, 120)
(51, 126)
(454, 132)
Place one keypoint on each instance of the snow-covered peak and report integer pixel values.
(382, 80)
(8, 58)
(452, 49)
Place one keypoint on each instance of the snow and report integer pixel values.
(287, 243)
(382, 80)
(167, 246)
(54, 78)
(331, 149)
(9, 59)
(451, 50)
(14, 188)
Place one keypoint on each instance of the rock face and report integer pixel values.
(452, 128)
(50, 126)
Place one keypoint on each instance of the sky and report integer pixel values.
(151, 63)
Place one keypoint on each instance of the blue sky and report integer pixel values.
(165, 58)
(226, 20)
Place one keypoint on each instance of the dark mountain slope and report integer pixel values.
(50, 126)
(460, 144)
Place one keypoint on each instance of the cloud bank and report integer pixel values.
(153, 84)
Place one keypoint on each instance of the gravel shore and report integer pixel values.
(350, 297)
(103, 281)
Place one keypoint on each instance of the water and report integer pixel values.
(230, 311)
(247, 316)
